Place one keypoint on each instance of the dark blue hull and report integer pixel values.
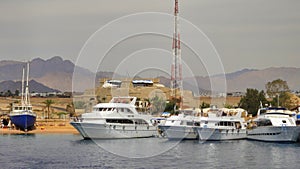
(23, 121)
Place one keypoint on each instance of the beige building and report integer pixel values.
(144, 89)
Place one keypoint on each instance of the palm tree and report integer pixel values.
(70, 109)
(48, 104)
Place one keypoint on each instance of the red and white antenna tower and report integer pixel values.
(176, 70)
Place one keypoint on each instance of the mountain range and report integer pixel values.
(251, 78)
(57, 74)
(34, 87)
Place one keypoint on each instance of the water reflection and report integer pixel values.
(137, 148)
(71, 151)
(19, 135)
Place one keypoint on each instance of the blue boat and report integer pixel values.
(23, 118)
(22, 115)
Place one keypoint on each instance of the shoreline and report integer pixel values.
(42, 130)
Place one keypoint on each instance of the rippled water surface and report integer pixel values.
(70, 151)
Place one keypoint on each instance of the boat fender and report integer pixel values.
(123, 127)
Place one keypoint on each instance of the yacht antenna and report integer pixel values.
(22, 88)
(277, 100)
(261, 105)
(26, 88)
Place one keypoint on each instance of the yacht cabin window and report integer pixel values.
(129, 111)
(103, 109)
(122, 121)
(189, 123)
(197, 124)
(265, 122)
(23, 108)
(224, 123)
(140, 121)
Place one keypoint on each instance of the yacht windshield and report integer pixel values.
(265, 122)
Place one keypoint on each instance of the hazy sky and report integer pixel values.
(246, 34)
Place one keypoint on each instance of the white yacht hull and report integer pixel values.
(212, 134)
(274, 134)
(107, 131)
(178, 132)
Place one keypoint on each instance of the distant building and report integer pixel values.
(236, 94)
(51, 94)
(143, 89)
(112, 83)
(142, 83)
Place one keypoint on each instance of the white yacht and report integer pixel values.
(116, 119)
(221, 124)
(180, 126)
(274, 124)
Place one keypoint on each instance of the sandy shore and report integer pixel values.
(43, 130)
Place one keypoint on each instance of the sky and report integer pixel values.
(135, 36)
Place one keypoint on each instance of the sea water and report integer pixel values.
(71, 151)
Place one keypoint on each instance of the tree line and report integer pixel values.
(9, 93)
(277, 95)
(277, 92)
